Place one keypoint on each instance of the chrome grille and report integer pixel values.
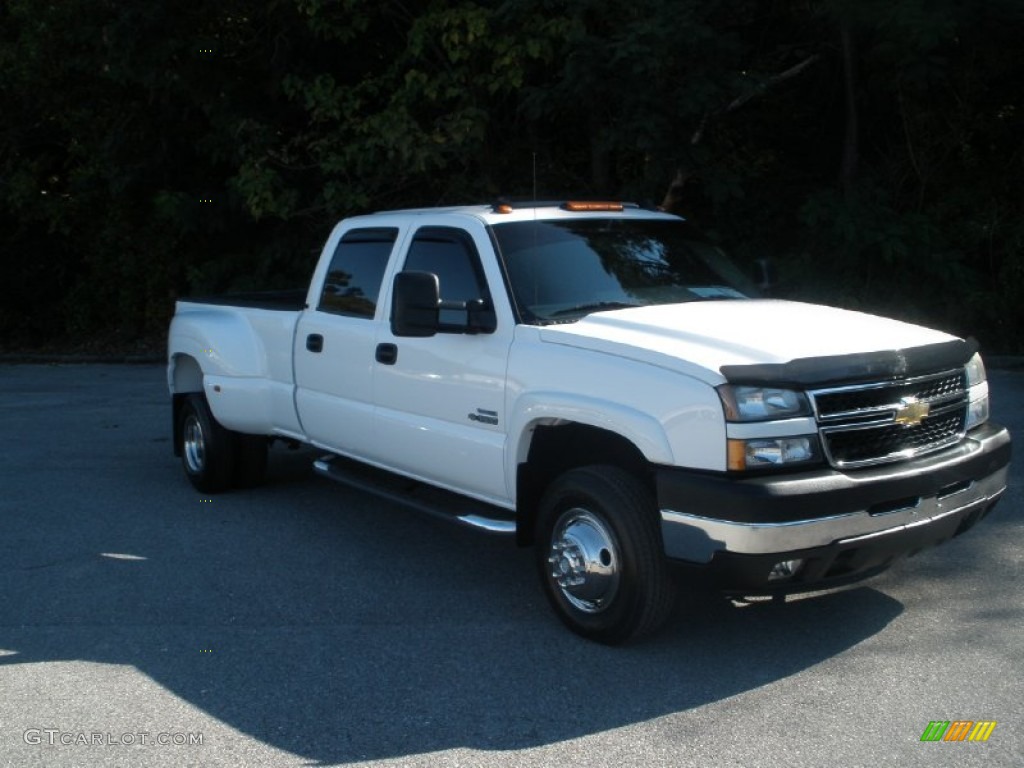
(834, 403)
(883, 422)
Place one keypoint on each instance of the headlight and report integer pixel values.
(977, 392)
(743, 403)
(767, 452)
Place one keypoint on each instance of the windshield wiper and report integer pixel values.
(594, 306)
(712, 298)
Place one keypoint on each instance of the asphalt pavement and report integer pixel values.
(301, 623)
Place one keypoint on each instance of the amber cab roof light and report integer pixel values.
(592, 205)
(505, 205)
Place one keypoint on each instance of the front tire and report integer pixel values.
(600, 555)
(207, 449)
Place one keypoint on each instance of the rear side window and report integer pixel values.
(356, 272)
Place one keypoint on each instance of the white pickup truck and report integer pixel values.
(597, 381)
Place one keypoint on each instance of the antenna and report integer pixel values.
(535, 280)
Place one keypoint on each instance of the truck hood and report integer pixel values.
(702, 338)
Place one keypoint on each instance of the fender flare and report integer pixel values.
(552, 408)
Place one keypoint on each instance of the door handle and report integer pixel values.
(387, 354)
(315, 342)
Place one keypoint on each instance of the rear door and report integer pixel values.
(335, 342)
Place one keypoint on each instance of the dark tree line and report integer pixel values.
(156, 148)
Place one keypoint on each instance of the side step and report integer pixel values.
(420, 496)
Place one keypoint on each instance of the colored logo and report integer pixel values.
(911, 412)
(958, 730)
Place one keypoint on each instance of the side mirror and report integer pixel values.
(415, 302)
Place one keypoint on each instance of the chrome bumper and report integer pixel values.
(697, 539)
(776, 515)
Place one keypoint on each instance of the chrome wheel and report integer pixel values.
(193, 444)
(207, 449)
(584, 560)
(600, 556)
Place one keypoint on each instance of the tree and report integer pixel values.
(162, 148)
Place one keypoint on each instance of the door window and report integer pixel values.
(450, 254)
(357, 269)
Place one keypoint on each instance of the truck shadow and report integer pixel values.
(344, 629)
(363, 691)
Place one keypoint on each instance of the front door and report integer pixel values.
(441, 400)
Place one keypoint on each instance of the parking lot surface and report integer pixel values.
(301, 623)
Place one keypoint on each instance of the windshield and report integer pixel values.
(562, 270)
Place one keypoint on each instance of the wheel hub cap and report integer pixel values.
(584, 560)
(194, 445)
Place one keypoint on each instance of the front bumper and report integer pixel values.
(843, 525)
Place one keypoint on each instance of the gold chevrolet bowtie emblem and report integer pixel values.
(911, 412)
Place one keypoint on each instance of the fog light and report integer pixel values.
(785, 570)
(771, 452)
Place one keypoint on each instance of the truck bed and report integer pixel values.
(291, 300)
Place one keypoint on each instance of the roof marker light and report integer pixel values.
(579, 206)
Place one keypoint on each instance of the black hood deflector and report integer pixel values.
(888, 365)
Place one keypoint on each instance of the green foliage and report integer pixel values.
(155, 148)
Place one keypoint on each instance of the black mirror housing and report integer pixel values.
(415, 304)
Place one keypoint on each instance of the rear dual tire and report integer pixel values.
(215, 458)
